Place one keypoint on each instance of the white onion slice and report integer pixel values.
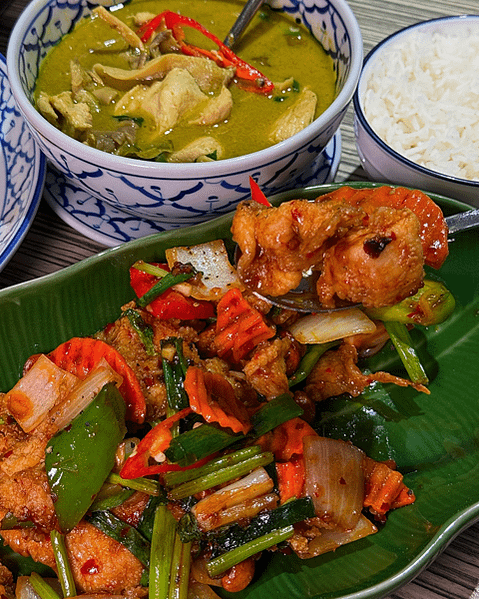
(208, 511)
(84, 393)
(322, 327)
(210, 258)
(44, 385)
(330, 540)
(334, 480)
(197, 590)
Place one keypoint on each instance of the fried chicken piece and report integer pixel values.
(7, 585)
(98, 562)
(26, 495)
(24, 490)
(266, 371)
(278, 244)
(378, 264)
(148, 369)
(336, 373)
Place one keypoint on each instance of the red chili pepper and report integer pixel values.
(171, 303)
(249, 77)
(256, 194)
(154, 442)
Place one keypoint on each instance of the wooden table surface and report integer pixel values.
(51, 245)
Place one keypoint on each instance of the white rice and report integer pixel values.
(422, 99)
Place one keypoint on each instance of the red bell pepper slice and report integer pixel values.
(171, 303)
(248, 76)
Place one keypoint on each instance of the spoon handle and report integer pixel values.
(463, 221)
(248, 12)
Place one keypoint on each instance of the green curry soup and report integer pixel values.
(90, 88)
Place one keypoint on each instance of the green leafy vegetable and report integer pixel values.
(193, 445)
(309, 360)
(295, 510)
(275, 412)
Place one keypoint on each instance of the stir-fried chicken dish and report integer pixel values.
(366, 246)
(162, 87)
(165, 453)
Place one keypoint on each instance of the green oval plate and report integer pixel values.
(433, 438)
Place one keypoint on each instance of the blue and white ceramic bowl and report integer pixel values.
(379, 159)
(181, 194)
(22, 173)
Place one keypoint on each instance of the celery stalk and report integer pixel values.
(220, 564)
(221, 476)
(65, 574)
(42, 588)
(173, 479)
(162, 543)
(180, 569)
(402, 341)
(169, 280)
(145, 485)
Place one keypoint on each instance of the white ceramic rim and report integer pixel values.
(358, 109)
(186, 170)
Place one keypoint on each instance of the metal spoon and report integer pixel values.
(305, 299)
(249, 10)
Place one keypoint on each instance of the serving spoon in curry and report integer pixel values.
(249, 10)
(305, 299)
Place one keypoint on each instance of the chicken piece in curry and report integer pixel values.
(145, 82)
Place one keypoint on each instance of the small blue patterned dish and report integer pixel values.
(22, 172)
(181, 194)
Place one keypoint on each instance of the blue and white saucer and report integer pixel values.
(22, 172)
(109, 226)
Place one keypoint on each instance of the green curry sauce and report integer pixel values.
(273, 43)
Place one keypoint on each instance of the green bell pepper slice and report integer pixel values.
(79, 458)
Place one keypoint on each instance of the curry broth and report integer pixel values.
(274, 43)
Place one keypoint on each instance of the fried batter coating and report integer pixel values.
(377, 264)
(278, 244)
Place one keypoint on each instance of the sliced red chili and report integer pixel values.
(257, 195)
(154, 442)
(248, 76)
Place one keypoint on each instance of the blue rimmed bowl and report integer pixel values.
(22, 173)
(181, 194)
(385, 163)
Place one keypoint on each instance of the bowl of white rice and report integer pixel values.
(417, 108)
